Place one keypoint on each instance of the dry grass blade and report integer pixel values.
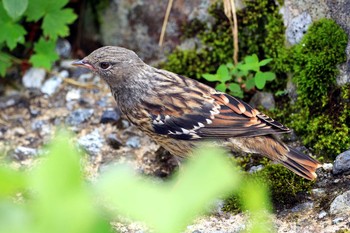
(165, 22)
(230, 12)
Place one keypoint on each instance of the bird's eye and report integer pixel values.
(105, 65)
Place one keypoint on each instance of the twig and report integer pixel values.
(165, 22)
(78, 84)
(230, 12)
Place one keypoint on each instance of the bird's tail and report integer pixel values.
(301, 164)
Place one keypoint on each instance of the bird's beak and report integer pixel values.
(84, 64)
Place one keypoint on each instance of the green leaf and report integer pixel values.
(260, 80)
(269, 76)
(251, 63)
(15, 8)
(210, 77)
(11, 33)
(170, 207)
(45, 54)
(5, 63)
(235, 89)
(221, 87)
(38, 8)
(252, 59)
(223, 73)
(265, 61)
(250, 83)
(55, 23)
(281, 92)
(10, 181)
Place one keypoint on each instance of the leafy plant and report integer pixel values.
(246, 76)
(54, 197)
(53, 19)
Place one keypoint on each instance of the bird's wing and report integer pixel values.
(186, 109)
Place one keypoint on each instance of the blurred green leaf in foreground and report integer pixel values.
(55, 197)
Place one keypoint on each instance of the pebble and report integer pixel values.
(342, 163)
(322, 214)
(264, 99)
(110, 116)
(73, 94)
(91, 142)
(63, 48)
(22, 153)
(34, 78)
(79, 116)
(42, 127)
(52, 85)
(318, 192)
(86, 77)
(256, 168)
(303, 207)
(114, 141)
(341, 204)
(337, 220)
(327, 166)
(134, 142)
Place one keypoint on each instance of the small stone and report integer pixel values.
(322, 214)
(255, 168)
(86, 77)
(114, 141)
(134, 142)
(52, 84)
(342, 163)
(110, 116)
(34, 78)
(22, 153)
(18, 131)
(341, 204)
(264, 99)
(327, 166)
(91, 142)
(63, 48)
(79, 116)
(73, 94)
(303, 207)
(42, 127)
(337, 220)
(318, 192)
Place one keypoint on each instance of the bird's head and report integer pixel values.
(112, 63)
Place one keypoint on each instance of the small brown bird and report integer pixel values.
(178, 112)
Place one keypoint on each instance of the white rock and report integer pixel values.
(327, 166)
(34, 78)
(73, 94)
(341, 204)
(52, 85)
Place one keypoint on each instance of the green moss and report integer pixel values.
(285, 186)
(343, 231)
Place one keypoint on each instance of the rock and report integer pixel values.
(134, 142)
(322, 214)
(114, 141)
(91, 142)
(318, 192)
(22, 153)
(255, 168)
(125, 124)
(342, 163)
(138, 18)
(52, 84)
(337, 220)
(303, 207)
(73, 94)
(63, 48)
(86, 77)
(341, 204)
(263, 99)
(327, 166)
(298, 27)
(79, 116)
(110, 116)
(34, 78)
(42, 127)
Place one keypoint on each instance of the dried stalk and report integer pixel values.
(230, 12)
(165, 22)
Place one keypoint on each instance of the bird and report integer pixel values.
(179, 113)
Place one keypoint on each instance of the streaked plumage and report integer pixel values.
(178, 112)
